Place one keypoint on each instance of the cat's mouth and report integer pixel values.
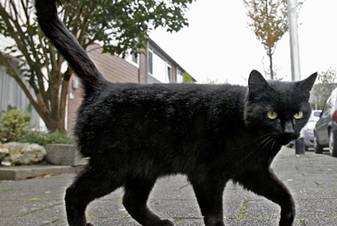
(285, 138)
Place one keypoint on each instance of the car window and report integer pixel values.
(317, 113)
(334, 104)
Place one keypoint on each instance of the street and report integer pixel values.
(311, 178)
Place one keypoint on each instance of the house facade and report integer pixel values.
(153, 65)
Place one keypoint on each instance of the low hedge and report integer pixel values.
(43, 138)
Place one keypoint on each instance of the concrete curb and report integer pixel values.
(27, 172)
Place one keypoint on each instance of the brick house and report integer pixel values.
(153, 65)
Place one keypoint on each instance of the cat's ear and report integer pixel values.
(307, 83)
(256, 82)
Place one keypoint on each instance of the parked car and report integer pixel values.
(308, 130)
(325, 132)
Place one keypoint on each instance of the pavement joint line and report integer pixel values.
(50, 222)
(184, 186)
(317, 184)
(39, 209)
(307, 199)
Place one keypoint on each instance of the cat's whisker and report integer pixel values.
(272, 145)
(265, 145)
(264, 142)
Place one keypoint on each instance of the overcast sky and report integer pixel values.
(218, 45)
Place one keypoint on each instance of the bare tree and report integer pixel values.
(326, 84)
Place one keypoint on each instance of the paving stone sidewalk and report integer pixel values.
(312, 178)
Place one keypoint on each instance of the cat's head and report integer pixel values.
(280, 109)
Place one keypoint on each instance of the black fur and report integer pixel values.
(135, 133)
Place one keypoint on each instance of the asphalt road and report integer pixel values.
(311, 178)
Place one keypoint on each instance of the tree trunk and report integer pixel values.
(270, 55)
(56, 121)
(54, 125)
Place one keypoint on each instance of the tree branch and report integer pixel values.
(23, 45)
(25, 10)
(11, 68)
(64, 91)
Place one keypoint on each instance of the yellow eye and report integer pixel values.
(298, 115)
(272, 115)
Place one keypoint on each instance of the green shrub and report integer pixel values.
(43, 138)
(13, 124)
(59, 138)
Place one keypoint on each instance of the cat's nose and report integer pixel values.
(289, 131)
(289, 128)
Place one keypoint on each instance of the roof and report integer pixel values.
(157, 48)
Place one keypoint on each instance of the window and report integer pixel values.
(150, 62)
(134, 58)
(169, 74)
(75, 83)
(317, 113)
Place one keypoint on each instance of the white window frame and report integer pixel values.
(180, 77)
(169, 76)
(148, 62)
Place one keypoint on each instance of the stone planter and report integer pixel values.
(64, 154)
(14, 153)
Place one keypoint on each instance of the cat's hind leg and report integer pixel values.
(91, 184)
(266, 183)
(135, 198)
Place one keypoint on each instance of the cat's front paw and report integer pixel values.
(218, 224)
(213, 221)
(286, 222)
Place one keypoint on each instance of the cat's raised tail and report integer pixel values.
(67, 44)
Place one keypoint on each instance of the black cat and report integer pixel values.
(135, 133)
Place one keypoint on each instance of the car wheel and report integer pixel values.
(333, 143)
(318, 148)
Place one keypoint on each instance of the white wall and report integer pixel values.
(179, 76)
(12, 95)
(160, 69)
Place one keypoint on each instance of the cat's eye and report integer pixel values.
(272, 115)
(298, 115)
